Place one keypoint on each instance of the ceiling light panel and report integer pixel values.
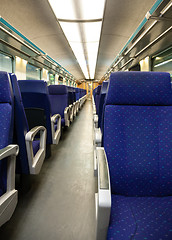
(78, 9)
(92, 31)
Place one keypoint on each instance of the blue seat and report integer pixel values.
(37, 107)
(70, 103)
(58, 95)
(97, 99)
(32, 152)
(93, 101)
(74, 102)
(137, 139)
(101, 102)
(8, 152)
(77, 99)
(77, 94)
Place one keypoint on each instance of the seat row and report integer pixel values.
(134, 158)
(32, 116)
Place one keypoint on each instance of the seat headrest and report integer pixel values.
(57, 89)
(5, 89)
(33, 86)
(139, 88)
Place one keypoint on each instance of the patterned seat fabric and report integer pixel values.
(138, 143)
(58, 95)
(6, 125)
(140, 218)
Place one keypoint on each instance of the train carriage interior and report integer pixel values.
(86, 120)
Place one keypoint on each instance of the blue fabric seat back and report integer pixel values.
(74, 94)
(70, 95)
(80, 93)
(58, 95)
(138, 133)
(37, 104)
(6, 124)
(77, 94)
(20, 128)
(97, 99)
(101, 103)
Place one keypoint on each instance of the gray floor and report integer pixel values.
(60, 204)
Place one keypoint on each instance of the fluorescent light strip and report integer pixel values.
(140, 37)
(163, 63)
(156, 39)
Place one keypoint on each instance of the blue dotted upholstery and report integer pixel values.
(6, 124)
(140, 218)
(58, 96)
(141, 140)
(137, 138)
(139, 88)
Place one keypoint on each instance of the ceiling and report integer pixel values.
(36, 20)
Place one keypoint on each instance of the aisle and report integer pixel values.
(60, 205)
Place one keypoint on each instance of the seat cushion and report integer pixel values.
(140, 218)
(35, 145)
(62, 122)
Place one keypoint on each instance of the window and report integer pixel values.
(32, 72)
(51, 79)
(60, 80)
(163, 62)
(5, 63)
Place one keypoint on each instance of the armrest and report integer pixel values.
(10, 152)
(67, 116)
(8, 200)
(94, 109)
(95, 119)
(93, 100)
(97, 137)
(54, 117)
(56, 134)
(103, 197)
(35, 162)
(71, 107)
